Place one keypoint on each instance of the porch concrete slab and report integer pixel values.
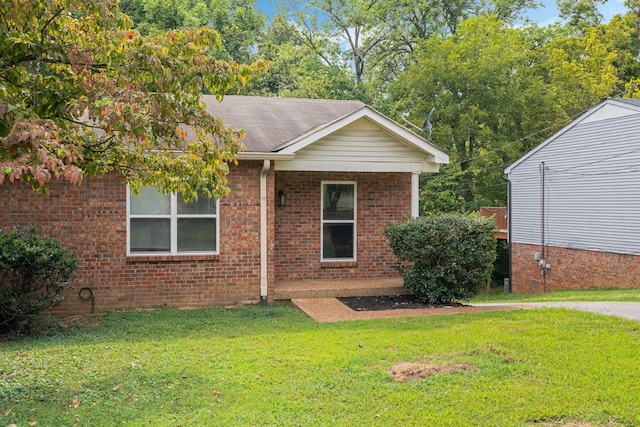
(332, 288)
(328, 310)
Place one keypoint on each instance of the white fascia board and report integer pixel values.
(315, 166)
(567, 128)
(413, 140)
(248, 155)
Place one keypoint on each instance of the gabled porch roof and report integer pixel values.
(283, 129)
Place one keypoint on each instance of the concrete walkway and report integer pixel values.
(331, 310)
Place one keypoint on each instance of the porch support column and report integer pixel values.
(263, 231)
(415, 194)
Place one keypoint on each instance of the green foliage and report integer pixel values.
(445, 257)
(501, 264)
(83, 94)
(296, 70)
(34, 272)
(238, 22)
(499, 90)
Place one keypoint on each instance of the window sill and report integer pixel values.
(338, 264)
(133, 259)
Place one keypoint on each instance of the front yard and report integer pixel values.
(273, 366)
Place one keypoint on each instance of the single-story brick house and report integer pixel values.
(574, 203)
(309, 198)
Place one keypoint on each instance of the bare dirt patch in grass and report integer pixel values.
(409, 371)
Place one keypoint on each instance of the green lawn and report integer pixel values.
(273, 366)
(589, 295)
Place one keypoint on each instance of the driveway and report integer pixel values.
(629, 310)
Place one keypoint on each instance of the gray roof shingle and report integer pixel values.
(271, 123)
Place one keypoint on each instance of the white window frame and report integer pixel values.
(354, 221)
(173, 216)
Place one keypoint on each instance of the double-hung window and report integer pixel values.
(160, 224)
(338, 221)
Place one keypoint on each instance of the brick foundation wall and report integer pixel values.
(572, 269)
(91, 221)
(381, 198)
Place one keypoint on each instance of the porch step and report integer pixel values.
(301, 289)
(325, 309)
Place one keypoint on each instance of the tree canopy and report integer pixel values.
(86, 89)
(82, 94)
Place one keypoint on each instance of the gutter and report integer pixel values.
(263, 231)
(506, 178)
(251, 155)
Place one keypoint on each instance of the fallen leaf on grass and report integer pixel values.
(33, 423)
(117, 388)
(74, 404)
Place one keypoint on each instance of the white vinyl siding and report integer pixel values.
(592, 188)
(361, 146)
(166, 225)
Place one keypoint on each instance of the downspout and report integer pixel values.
(415, 194)
(263, 232)
(506, 178)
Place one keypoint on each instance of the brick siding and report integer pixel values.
(381, 198)
(572, 269)
(91, 221)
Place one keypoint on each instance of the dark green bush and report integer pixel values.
(34, 272)
(444, 258)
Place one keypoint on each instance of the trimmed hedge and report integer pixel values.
(34, 272)
(443, 258)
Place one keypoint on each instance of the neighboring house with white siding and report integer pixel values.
(310, 196)
(574, 204)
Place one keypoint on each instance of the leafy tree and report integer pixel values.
(238, 22)
(82, 94)
(475, 80)
(374, 37)
(499, 91)
(580, 13)
(295, 70)
(324, 25)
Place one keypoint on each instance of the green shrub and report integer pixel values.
(445, 257)
(33, 273)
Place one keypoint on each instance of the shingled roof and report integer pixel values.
(274, 123)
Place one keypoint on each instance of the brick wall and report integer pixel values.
(91, 221)
(572, 269)
(381, 198)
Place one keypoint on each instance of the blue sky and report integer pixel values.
(544, 15)
(548, 13)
